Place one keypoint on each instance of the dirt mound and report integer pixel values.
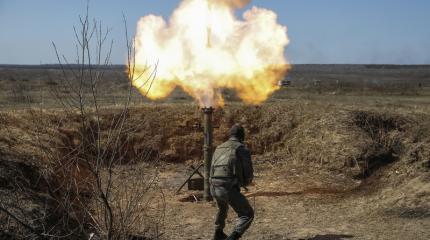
(356, 143)
(316, 150)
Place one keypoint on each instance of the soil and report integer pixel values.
(293, 205)
(335, 173)
(323, 171)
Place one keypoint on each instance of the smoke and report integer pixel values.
(232, 3)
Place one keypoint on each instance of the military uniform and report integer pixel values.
(231, 169)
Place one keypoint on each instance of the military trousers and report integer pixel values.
(226, 195)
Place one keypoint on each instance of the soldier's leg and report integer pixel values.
(221, 197)
(221, 215)
(243, 209)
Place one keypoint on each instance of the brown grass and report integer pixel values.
(338, 139)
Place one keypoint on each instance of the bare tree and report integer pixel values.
(92, 149)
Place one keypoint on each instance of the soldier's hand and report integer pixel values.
(251, 184)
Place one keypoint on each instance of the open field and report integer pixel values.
(343, 153)
(21, 86)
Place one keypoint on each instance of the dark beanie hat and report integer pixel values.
(237, 131)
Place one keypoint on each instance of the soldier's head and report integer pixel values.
(238, 132)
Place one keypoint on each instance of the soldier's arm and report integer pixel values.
(244, 157)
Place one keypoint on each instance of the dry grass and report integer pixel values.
(343, 142)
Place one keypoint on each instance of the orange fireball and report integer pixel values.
(204, 48)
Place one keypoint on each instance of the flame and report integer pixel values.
(205, 48)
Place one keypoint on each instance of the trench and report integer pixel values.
(385, 132)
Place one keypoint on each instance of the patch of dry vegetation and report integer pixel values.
(388, 151)
(55, 178)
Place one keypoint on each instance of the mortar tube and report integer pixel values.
(207, 150)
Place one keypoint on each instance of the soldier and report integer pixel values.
(231, 169)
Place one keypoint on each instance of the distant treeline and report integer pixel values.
(356, 66)
(59, 66)
(294, 66)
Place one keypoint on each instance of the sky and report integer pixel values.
(321, 31)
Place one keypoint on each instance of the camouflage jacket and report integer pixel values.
(232, 160)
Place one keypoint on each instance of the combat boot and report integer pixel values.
(219, 235)
(233, 236)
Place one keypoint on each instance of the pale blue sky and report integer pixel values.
(321, 31)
